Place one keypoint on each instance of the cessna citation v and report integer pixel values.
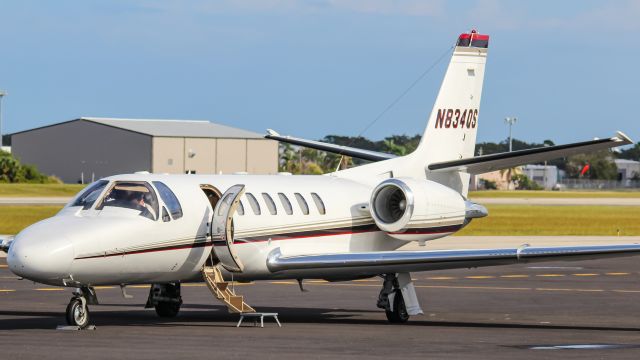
(165, 230)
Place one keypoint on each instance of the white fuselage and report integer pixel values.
(86, 247)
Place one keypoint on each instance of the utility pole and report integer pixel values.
(2, 94)
(510, 121)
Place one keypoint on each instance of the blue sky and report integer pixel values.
(310, 68)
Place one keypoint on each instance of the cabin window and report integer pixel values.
(271, 205)
(302, 203)
(286, 204)
(319, 203)
(253, 202)
(240, 209)
(170, 199)
(132, 195)
(90, 194)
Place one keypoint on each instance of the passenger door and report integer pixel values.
(222, 229)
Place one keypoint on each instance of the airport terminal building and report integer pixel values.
(89, 148)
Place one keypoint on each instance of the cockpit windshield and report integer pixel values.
(90, 194)
(132, 195)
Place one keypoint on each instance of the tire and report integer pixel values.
(398, 314)
(167, 309)
(76, 315)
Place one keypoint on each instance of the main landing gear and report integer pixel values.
(398, 298)
(165, 298)
(78, 310)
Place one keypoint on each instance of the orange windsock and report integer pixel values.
(584, 170)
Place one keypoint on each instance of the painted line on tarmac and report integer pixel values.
(522, 276)
(576, 290)
(550, 275)
(469, 287)
(49, 289)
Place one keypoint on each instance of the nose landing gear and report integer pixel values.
(77, 311)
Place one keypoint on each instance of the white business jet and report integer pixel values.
(165, 230)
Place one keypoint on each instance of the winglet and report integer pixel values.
(623, 137)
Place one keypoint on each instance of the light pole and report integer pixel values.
(2, 93)
(510, 121)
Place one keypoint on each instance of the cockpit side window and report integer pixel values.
(170, 199)
(132, 195)
(90, 194)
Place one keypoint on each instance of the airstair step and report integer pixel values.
(221, 291)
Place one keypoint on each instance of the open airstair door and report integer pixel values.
(222, 228)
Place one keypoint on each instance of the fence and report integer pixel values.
(599, 184)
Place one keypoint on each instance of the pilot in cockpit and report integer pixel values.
(142, 202)
(135, 196)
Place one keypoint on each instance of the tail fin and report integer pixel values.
(453, 124)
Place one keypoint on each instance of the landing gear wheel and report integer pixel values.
(167, 309)
(398, 314)
(77, 313)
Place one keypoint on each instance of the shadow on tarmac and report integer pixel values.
(217, 316)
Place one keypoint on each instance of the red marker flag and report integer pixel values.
(584, 170)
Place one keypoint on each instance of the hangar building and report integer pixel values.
(89, 148)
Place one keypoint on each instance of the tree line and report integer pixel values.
(13, 171)
(300, 160)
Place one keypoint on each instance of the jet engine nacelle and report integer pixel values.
(413, 210)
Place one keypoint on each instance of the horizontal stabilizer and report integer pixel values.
(373, 263)
(487, 163)
(332, 148)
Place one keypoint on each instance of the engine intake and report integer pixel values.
(392, 204)
(417, 210)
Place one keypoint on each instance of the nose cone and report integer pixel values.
(41, 255)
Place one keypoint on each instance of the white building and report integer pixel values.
(545, 176)
(627, 169)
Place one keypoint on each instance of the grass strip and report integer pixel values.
(557, 220)
(502, 220)
(39, 190)
(15, 218)
(553, 194)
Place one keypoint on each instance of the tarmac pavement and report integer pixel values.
(570, 310)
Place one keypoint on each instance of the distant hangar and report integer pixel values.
(88, 148)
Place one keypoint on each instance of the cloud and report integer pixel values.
(380, 7)
(387, 7)
(577, 16)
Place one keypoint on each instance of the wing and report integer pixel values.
(333, 148)
(5, 242)
(487, 163)
(374, 263)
